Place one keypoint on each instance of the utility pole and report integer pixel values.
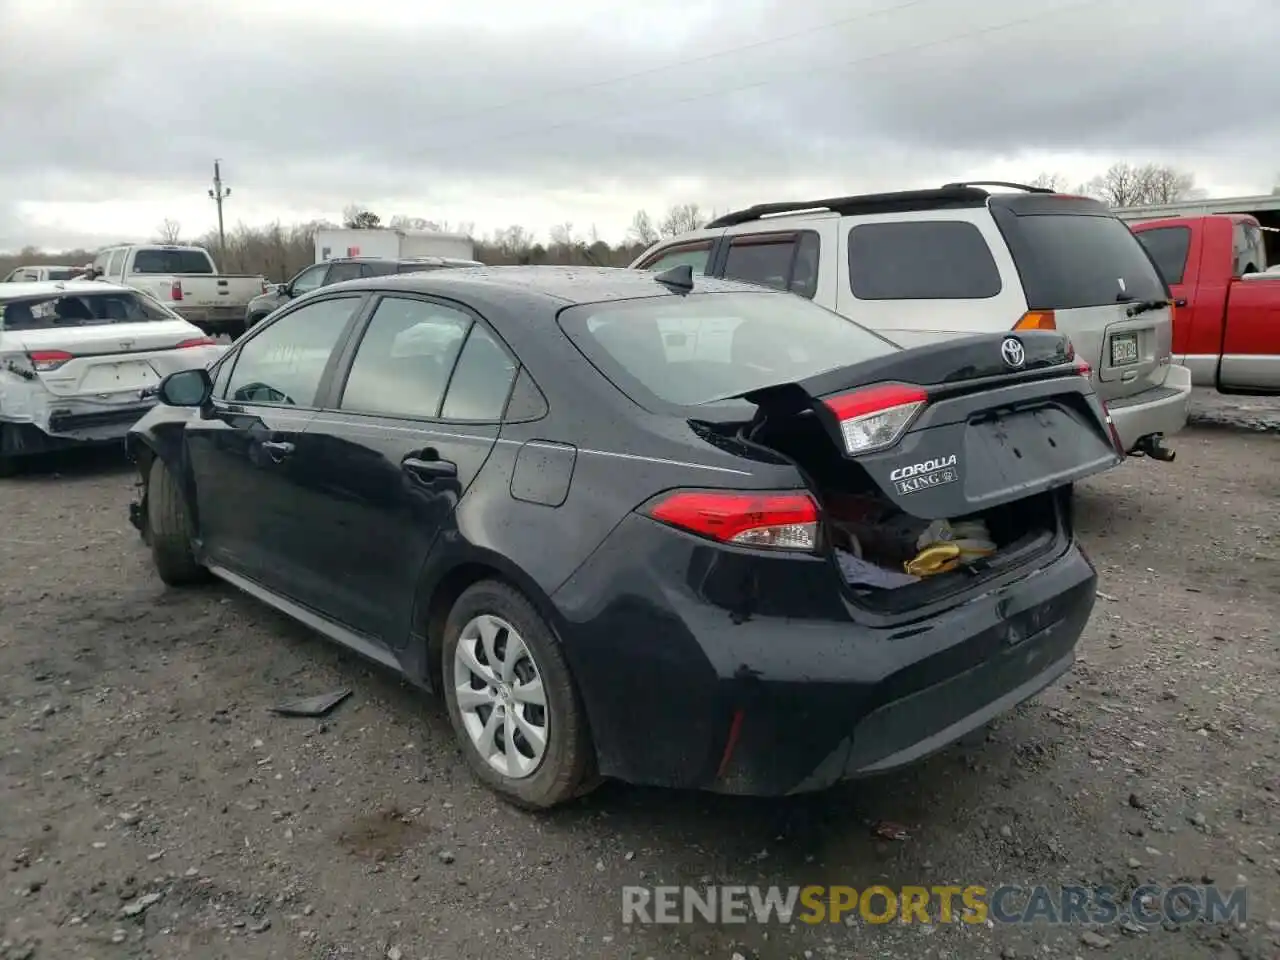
(218, 194)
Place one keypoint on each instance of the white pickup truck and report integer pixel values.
(186, 280)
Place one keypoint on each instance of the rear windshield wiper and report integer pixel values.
(1137, 307)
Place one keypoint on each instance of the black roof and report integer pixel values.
(567, 285)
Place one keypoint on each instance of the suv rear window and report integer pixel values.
(171, 261)
(921, 260)
(82, 310)
(1168, 247)
(696, 349)
(1069, 261)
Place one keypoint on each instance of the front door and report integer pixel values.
(253, 483)
(400, 441)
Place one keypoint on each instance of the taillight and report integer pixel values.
(46, 360)
(1083, 368)
(175, 290)
(874, 418)
(780, 521)
(197, 342)
(1037, 320)
(266, 287)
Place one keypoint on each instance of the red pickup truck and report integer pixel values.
(1226, 324)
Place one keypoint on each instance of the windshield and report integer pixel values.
(80, 310)
(171, 261)
(686, 351)
(61, 273)
(1069, 261)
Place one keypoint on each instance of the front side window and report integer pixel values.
(285, 362)
(405, 358)
(309, 279)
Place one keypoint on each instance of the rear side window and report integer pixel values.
(1070, 261)
(115, 266)
(921, 260)
(171, 261)
(695, 255)
(1168, 247)
(481, 380)
(405, 359)
(344, 271)
(783, 261)
(1248, 249)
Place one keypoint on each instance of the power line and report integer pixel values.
(675, 64)
(806, 71)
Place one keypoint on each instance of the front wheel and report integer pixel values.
(512, 701)
(169, 528)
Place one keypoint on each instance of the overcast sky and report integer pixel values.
(499, 112)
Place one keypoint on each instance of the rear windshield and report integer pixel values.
(1168, 247)
(171, 261)
(1068, 261)
(79, 310)
(685, 351)
(61, 273)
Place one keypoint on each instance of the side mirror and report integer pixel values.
(186, 388)
(284, 290)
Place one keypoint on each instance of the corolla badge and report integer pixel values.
(1014, 354)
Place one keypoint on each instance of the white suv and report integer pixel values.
(925, 265)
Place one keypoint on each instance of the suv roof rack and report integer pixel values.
(898, 201)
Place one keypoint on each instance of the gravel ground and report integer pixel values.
(152, 806)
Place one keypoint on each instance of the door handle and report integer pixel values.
(1180, 302)
(428, 465)
(279, 449)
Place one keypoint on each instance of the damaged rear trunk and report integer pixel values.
(939, 468)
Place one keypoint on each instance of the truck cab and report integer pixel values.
(1226, 326)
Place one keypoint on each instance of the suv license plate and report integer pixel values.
(1124, 349)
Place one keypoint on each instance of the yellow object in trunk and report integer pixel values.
(938, 558)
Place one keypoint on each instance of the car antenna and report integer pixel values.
(679, 278)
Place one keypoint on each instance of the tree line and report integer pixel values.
(278, 251)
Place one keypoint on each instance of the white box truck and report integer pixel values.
(392, 244)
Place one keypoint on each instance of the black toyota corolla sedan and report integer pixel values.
(665, 529)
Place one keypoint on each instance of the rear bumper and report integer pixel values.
(212, 318)
(1161, 409)
(693, 676)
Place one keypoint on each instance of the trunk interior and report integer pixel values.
(873, 542)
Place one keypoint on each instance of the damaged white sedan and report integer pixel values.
(80, 361)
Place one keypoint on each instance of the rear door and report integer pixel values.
(259, 495)
(1085, 267)
(1175, 247)
(404, 433)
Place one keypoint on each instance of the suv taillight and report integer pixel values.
(1037, 320)
(175, 290)
(777, 521)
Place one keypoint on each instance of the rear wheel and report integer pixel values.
(169, 527)
(512, 700)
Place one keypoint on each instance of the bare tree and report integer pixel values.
(642, 230)
(356, 217)
(1056, 182)
(681, 218)
(1127, 185)
(169, 231)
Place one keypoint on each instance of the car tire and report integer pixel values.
(566, 766)
(8, 462)
(169, 528)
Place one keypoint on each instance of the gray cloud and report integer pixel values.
(314, 114)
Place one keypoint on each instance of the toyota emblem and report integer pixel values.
(1013, 353)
